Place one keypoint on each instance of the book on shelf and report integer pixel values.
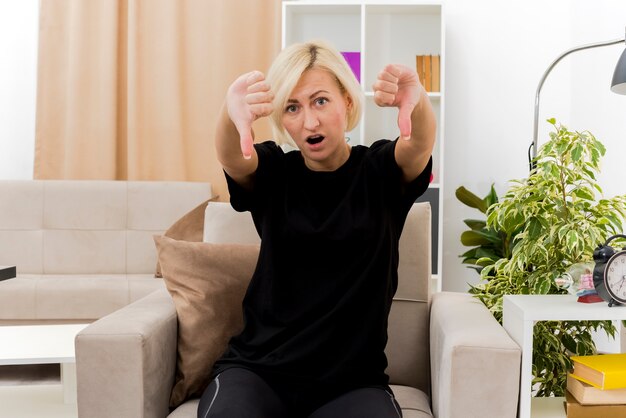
(428, 73)
(419, 68)
(428, 68)
(7, 272)
(353, 58)
(586, 394)
(436, 76)
(603, 371)
(573, 409)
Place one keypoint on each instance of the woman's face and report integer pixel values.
(316, 118)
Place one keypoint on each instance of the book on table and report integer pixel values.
(603, 371)
(7, 272)
(576, 410)
(586, 394)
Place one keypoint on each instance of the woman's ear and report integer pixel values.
(349, 102)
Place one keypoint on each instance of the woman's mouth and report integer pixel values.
(314, 139)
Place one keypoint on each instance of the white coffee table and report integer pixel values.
(43, 344)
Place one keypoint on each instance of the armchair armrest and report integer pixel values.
(125, 361)
(475, 365)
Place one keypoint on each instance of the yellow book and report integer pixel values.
(603, 371)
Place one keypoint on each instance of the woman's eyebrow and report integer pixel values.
(317, 92)
(310, 97)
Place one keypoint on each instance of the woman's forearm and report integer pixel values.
(227, 145)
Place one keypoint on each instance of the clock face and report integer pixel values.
(615, 276)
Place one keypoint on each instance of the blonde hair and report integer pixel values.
(289, 66)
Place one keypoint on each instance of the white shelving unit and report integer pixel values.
(383, 32)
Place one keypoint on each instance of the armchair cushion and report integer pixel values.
(207, 283)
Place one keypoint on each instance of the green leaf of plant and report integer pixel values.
(534, 228)
(491, 198)
(569, 343)
(577, 152)
(541, 287)
(484, 261)
(572, 240)
(475, 224)
(486, 252)
(584, 194)
(473, 238)
(470, 199)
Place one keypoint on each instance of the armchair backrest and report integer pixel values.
(408, 344)
(408, 328)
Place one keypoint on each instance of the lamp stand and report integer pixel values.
(533, 147)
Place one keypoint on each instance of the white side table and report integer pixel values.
(520, 312)
(43, 344)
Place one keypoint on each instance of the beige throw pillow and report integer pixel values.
(188, 228)
(207, 283)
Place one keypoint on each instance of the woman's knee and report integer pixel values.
(240, 393)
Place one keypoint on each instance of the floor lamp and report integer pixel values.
(618, 85)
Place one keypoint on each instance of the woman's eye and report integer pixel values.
(291, 109)
(321, 100)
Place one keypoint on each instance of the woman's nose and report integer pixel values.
(311, 120)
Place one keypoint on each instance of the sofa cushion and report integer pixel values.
(22, 249)
(414, 402)
(95, 205)
(71, 297)
(22, 205)
(222, 224)
(155, 205)
(207, 283)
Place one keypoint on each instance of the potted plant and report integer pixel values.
(541, 226)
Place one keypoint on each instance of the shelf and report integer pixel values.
(431, 95)
(340, 24)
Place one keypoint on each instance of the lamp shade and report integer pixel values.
(618, 85)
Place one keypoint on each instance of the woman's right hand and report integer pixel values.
(248, 99)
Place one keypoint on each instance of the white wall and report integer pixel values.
(18, 71)
(496, 53)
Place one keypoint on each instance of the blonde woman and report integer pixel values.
(330, 217)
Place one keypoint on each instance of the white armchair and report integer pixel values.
(448, 356)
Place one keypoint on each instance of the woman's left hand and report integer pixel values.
(398, 86)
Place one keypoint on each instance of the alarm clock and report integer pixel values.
(609, 273)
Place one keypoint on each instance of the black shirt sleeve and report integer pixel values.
(271, 159)
(383, 157)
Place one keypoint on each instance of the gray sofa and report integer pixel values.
(448, 356)
(84, 248)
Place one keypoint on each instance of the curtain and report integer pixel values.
(131, 89)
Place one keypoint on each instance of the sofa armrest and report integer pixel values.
(475, 365)
(125, 361)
